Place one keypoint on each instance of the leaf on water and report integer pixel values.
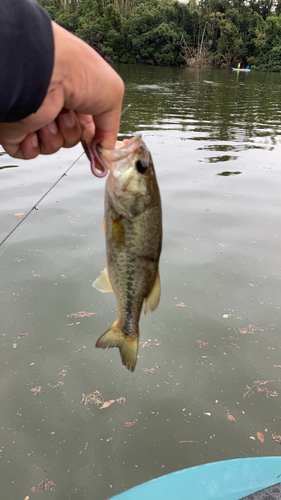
(19, 214)
(46, 484)
(14, 345)
(80, 314)
(202, 344)
(277, 366)
(221, 244)
(276, 437)
(150, 370)
(33, 489)
(36, 389)
(21, 335)
(230, 417)
(250, 329)
(207, 413)
(252, 437)
(106, 404)
(226, 316)
(260, 436)
(94, 397)
(150, 344)
(128, 424)
(121, 401)
(181, 304)
(266, 391)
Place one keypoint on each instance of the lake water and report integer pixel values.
(207, 385)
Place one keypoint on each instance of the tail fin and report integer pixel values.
(128, 344)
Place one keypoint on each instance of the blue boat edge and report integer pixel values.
(225, 480)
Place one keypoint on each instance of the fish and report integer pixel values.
(133, 234)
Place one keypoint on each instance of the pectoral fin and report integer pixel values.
(102, 283)
(152, 300)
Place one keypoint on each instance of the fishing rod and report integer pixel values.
(48, 191)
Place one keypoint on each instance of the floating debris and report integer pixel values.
(80, 314)
(266, 391)
(202, 344)
(226, 173)
(150, 370)
(260, 436)
(121, 400)
(257, 385)
(46, 484)
(22, 335)
(106, 404)
(97, 398)
(59, 384)
(250, 329)
(94, 397)
(231, 417)
(36, 389)
(276, 437)
(150, 344)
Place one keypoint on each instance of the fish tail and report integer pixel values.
(128, 344)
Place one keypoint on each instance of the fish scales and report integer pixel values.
(133, 229)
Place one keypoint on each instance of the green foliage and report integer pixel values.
(169, 32)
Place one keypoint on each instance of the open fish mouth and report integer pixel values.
(102, 160)
(122, 155)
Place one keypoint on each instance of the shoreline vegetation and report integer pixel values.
(208, 33)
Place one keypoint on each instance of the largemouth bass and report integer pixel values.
(133, 231)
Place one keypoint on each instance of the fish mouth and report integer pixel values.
(120, 157)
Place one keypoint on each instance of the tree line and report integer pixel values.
(218, 33)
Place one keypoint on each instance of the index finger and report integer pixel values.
(107, 127)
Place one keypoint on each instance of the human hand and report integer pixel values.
(83, 101)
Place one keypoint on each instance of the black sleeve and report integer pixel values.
(26, 58)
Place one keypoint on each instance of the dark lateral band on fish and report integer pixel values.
(133, 231)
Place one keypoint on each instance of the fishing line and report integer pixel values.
(44, 195)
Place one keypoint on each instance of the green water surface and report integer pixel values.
(207, 385)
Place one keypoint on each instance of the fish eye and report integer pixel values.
(141, 166)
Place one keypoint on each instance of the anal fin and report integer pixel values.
(102, 283)
(152, 300)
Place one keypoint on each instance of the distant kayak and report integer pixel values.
(240, 69)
